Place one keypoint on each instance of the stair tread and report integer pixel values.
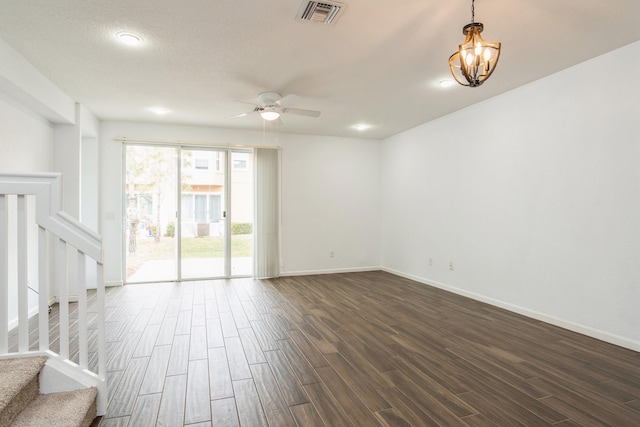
(15, 374)
(62, 409)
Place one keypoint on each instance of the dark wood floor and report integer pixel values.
(358, 349)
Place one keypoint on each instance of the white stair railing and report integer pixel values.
(45, 252)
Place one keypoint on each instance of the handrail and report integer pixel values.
(58, 275)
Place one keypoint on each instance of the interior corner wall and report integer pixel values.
(532, 196)
(330, 194)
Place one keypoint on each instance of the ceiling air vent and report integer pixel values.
(323, 12)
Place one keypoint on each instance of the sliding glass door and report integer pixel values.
(151, 176)
(203, 214)
(207, 230)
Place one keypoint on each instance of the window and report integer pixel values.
(215, 208)
(202, 163)
(201, 208)
(240, 161)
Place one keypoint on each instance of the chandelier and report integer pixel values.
(476, 58)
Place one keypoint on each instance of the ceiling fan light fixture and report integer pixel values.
(270, 114)
(476, 58)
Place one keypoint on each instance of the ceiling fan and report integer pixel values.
(270, 108)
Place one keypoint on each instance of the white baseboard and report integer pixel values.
(562, 323)
(329, 271)
(113, 283)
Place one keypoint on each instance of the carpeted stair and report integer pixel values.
(22, 405)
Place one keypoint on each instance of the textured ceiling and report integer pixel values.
(379, 64)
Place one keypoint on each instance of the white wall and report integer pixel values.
(26, 140)
(26, 143)
(330, 194)
(534, 196)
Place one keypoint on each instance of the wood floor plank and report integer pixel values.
(115, 422)
(433, 404)
(159, 310)
(252, 349)
(224, 413)
(198, 315)
(147, 341)
(325, 403)
(198, 343)
(179, 359)
(125, 396)
(391, 418)
(198, 403)
(250, 311)
(273, 404)
(123, 353)
(305, 415)
(141, 320)
(264, 335)
(214, 333)
(211, 308)
(167, 331)
(291, 388)
(153, 381)
(238, 365)
(363, 384)
(229, 328)
(113, 380)
(310, 351)
(497, 415)
(171, 412)
(145, 411)
(183, 325)
(220, 385)
(300, 365)
(408, 408)
(354, 408)
(572, 413)
(248, 403)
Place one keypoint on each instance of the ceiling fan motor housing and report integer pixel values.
(269, 98)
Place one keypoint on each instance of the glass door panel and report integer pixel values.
(203, 216)
(241, 213)
(150, 204)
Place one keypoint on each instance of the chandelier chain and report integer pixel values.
(473, 11)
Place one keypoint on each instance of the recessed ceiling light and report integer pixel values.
(361, 127)
(159, 111)
(446, 83)
(129, 39)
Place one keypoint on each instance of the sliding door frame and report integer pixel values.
(227, 212)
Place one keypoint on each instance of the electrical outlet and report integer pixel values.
(331, 254)
(430, 261)
(281, 263)
(451, 266)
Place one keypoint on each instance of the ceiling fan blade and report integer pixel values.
(287, 99)
(239, 115)
(299, 112)
(247, 102)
